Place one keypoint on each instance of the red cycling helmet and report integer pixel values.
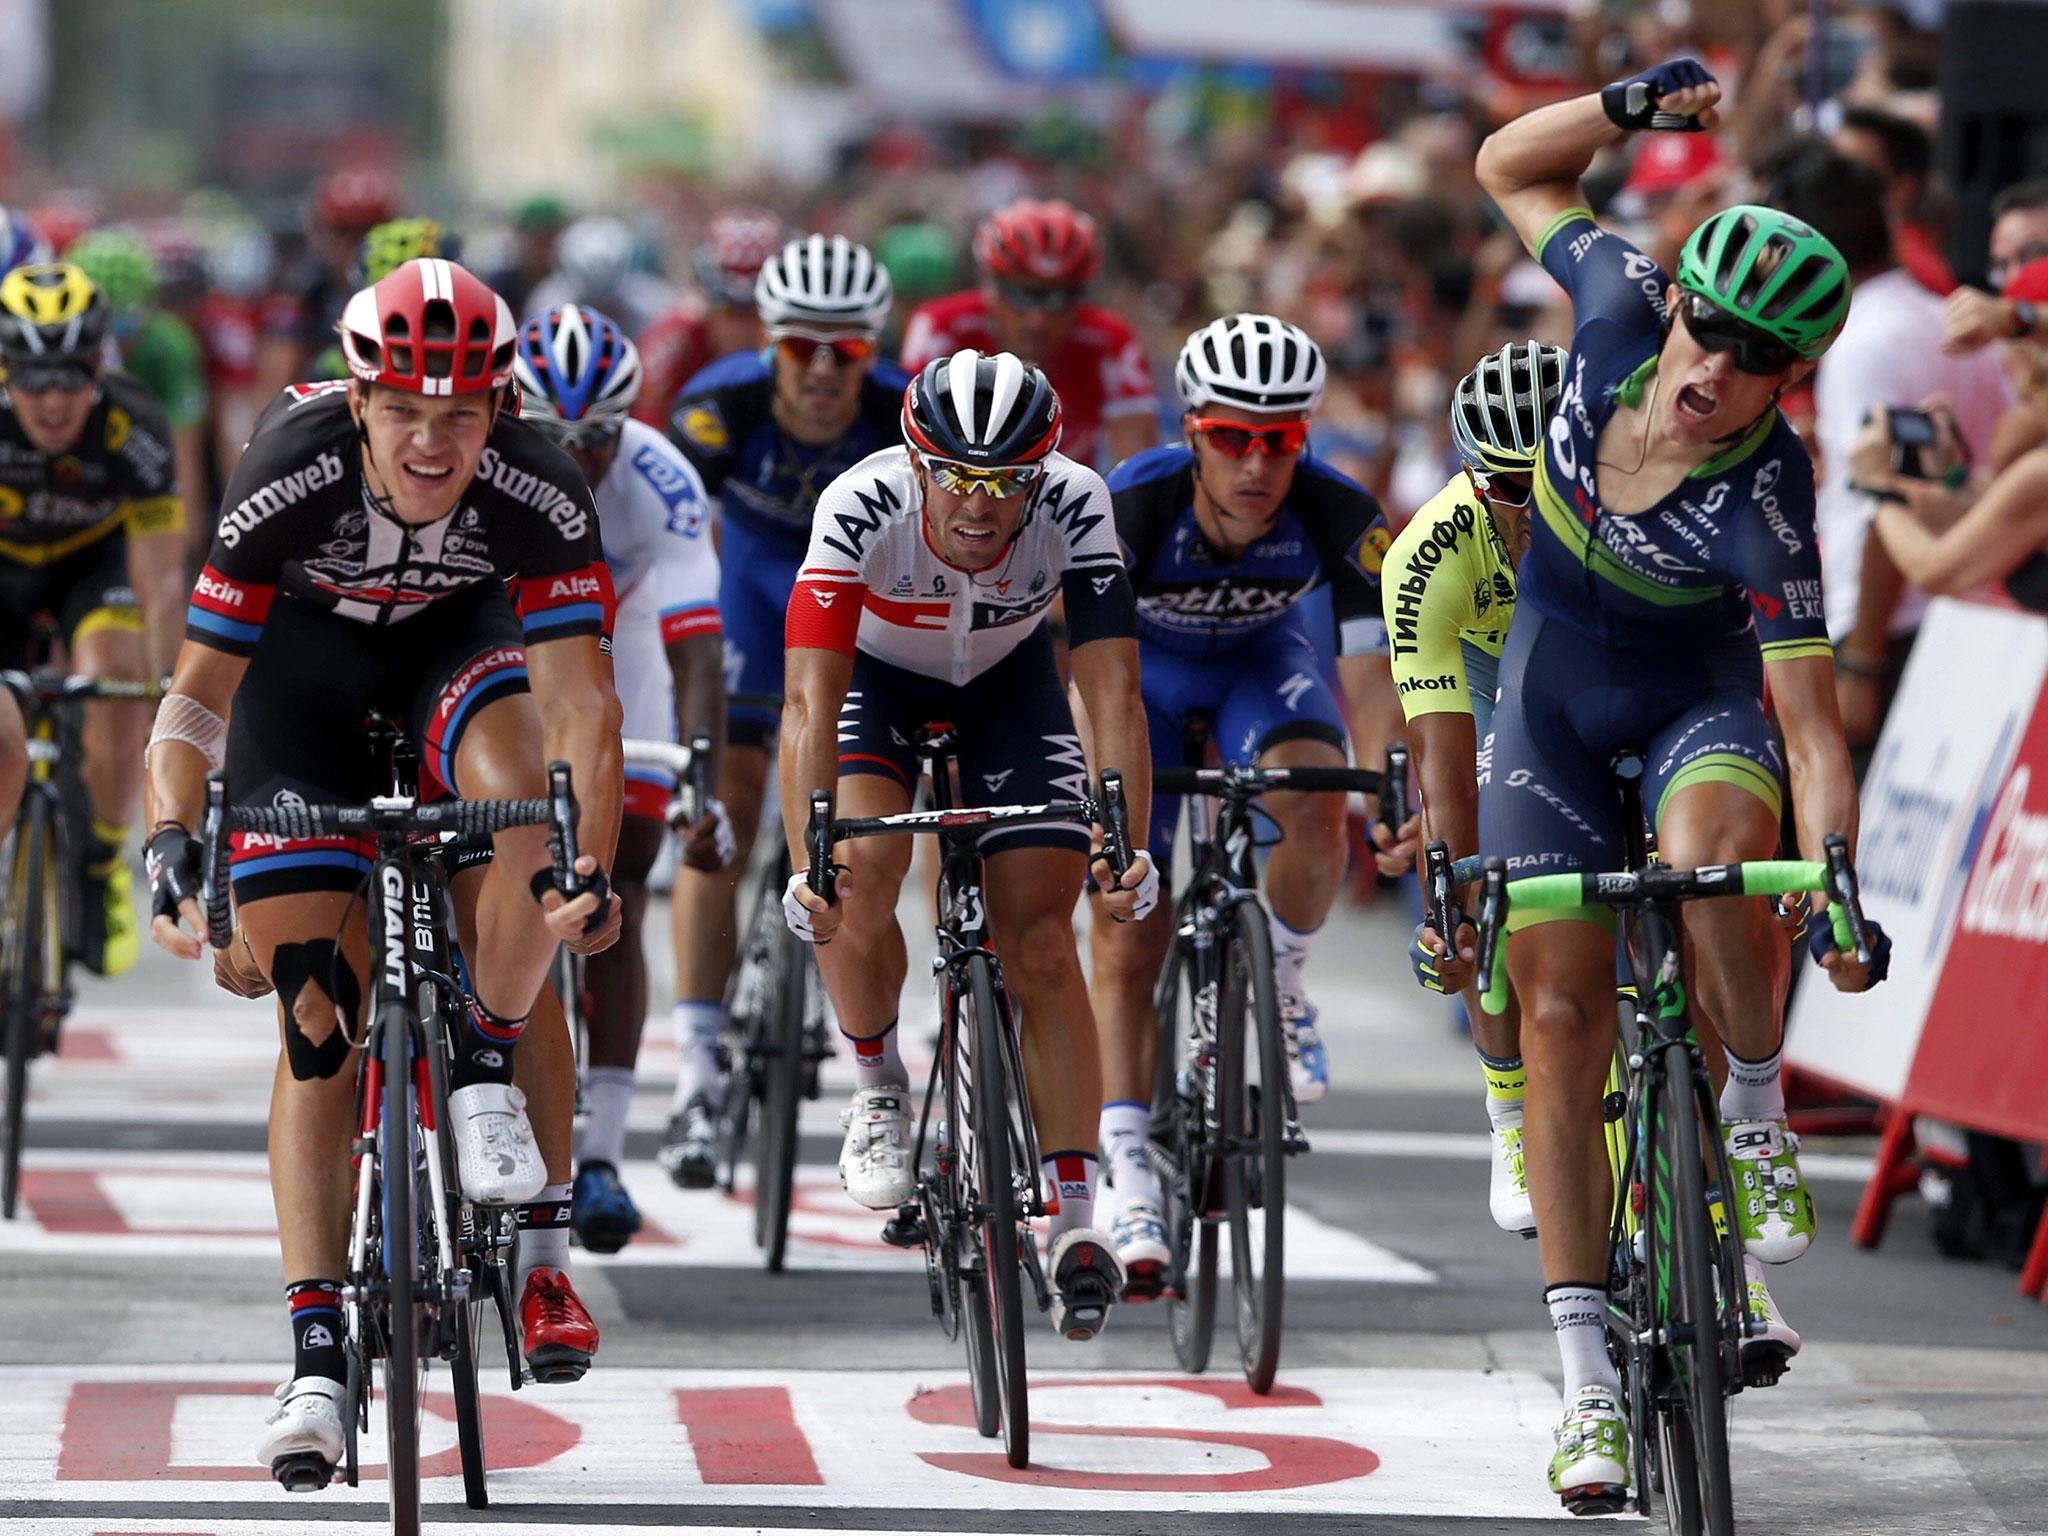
(736, 245)
(1031, 241)
(430, 328)
(355, 200)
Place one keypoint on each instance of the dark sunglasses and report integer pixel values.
(1714, 328)
(1018, 297)
(39, 378)
(579, 436)
(1508, 488)
(802, 348)
(1234, 440)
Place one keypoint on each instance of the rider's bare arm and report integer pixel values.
(175, 789)
(1106, 677)
(813, 687)
(580, 722)
(156, 570)
(1817, 762)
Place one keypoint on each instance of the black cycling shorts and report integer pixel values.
(296, 733)
(83, 592)
(1017, 740)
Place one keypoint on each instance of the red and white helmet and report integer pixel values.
(737, 244)
(430, 328)
(1040, 242)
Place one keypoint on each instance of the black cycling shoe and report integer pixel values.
(1086, 1281)
(689, 1150)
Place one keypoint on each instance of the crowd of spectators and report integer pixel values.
(1365, 226)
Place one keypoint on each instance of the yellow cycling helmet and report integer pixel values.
(50, 312)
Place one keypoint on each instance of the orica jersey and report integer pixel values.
(872, 581)
(1732, 547)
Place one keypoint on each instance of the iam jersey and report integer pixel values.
(759, 476)
(1734, 539)
(1100, 372)
(117, 477)
(872, 581)
(1194, 600)
(298, 518)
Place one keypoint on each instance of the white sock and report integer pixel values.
(876, 1062)
(1070, 1178)
(1126, 1126)
(697, 1027)
(1579, 1315)
(543, 1233)
(608, 1095)
(1290, 957)
(1755, 1090)
(1506, 1080)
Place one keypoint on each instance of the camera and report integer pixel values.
(1912, 433)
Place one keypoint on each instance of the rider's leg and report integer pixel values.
(1127, 959)
(13, 762)
(617, 984)
(705, 927)
(866, 961)
(1304, 871)
(108, 644)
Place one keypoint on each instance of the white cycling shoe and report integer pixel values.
(494, 1145)
(1508, 1194)
(1768, 1350)
(874, 1161)
(302, 1435)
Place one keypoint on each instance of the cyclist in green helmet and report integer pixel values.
(1672, 564)
(386, 248)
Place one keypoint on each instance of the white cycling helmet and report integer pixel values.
(826, 280)
(1501, 409)
(594, 255)
(1254, 362)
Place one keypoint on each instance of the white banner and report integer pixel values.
(1952, 734)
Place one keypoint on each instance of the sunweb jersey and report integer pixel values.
(872, 581)
(1447, 579)
(298, 518)
(1734, 539)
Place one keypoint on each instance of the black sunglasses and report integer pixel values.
(1756, 351)
(1018, 297)
(582, 436)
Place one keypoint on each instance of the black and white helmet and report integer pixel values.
(981, 409)
(1501, 409)
(1254, 362)
(825, 280)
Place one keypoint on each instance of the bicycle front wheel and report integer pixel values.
(781, 1080)
(471, 1245)
(402, 1362)
(1694, 1406)
(1180, 1133)
(29, 918)
(995, 1188)
(1252, 1099)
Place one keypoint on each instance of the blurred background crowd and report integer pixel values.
(218, 165)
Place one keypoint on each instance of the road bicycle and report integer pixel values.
(977, 1146)
(42, 913)
(1224, 1121)
(423, 1259)
(1678, 1310)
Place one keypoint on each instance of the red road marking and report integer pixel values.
(72, 1201)
(77, 1043)
(120, 1432)
(746, 1435)
(1292, 1461)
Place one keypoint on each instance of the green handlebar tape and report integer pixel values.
(1845, 936)
(1547, 891)
(1782, 877)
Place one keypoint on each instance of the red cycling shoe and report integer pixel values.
(559, 1336)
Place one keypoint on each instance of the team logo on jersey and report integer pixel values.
(703, 425)
(11, 503)
(118, 423)
(824, 595)
(1370, 552)
(70, 468)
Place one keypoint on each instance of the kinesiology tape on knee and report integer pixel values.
(321, 965)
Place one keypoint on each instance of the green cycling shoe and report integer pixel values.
(1589, 1469)
(1772, 1206)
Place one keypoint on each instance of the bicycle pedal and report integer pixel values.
(1296, 1143)
(906, 1229)
(1763, 1362)
(1596, 1499)
(302, 1472)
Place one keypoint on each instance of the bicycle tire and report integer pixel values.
(1178, 1131)
(1694, 1411)
(465, 1324)
(979, 1328)
(23, 969)
(1254, 1123)
(402, 1333)
(781, 1095)
(995, 1185)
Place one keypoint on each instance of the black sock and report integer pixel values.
(483, 1052)
(316, 1329)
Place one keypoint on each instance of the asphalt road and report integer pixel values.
(141, 1328)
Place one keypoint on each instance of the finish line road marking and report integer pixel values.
(1325, 1441)
(218, 1205)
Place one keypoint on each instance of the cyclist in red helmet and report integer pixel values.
(299, 316)
(719, 317)
(361, 563)
(1037, 259)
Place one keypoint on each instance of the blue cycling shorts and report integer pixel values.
(1270, 689)
(756, 571)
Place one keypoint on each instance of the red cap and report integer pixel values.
(2030, 283)
(1667, 161)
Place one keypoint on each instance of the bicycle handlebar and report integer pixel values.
(1393, 791)
(1248, 781)
(57, 688)
(690, 764)
(1116, 823)
(392, 817)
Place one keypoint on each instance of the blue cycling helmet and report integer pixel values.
(574, 364)
(20, 242)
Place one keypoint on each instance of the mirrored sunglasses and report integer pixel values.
(802, 348)
(1000, 481)
(581, 436)
(1234, 440)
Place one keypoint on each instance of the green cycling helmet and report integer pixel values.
(923, 258)
(119, 265)
(1779, 274)
(390, 245)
